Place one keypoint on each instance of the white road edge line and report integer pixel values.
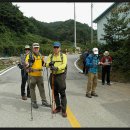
(77, 66)
(7, 70)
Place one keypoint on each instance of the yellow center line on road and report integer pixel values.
(72, 119)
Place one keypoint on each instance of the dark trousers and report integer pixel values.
(59, 90)
(24, 76)
(85, 69)
(106, 73)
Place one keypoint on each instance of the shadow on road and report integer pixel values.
(14, 101)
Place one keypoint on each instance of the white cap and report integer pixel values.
(35, 45)
(95, 50)
(106, 53)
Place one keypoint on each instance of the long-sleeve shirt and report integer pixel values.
(57, 62)
(107, 60)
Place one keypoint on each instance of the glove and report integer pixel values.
(29, 70)
(20, 66)
(54, 68)
(51, 63)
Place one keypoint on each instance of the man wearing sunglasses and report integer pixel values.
(57, 67)
(24, 74)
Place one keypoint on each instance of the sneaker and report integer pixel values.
(108, 84)
(34, 105)
(88, 95)
(64, 114)
(94, 94)
(56, 110)
(45, 103)
(24, 98)
(103, 83)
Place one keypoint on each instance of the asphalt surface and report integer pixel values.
(110, 109)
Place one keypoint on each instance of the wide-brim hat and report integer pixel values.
(27, 47)
(106, 53)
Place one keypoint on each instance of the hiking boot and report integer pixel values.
(58, 109)
(24, 98)
(88, 95)
(64, 114)
(34, 105)
(94, 94)
(46, 104)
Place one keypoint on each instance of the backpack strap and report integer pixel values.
(51, 57)
(61, 55)
(40, 55)
(31, 59)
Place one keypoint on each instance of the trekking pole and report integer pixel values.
(48, 85)
(30, 98)
(53, 97)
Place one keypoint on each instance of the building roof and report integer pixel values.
(106, 11)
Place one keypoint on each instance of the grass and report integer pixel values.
(3, 67)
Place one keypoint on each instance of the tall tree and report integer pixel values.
(116, 28)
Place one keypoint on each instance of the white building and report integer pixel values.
(101, 20)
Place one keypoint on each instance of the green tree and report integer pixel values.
(116, 28)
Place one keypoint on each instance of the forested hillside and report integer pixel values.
(16, 30)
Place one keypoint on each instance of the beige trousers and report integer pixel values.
(33, 81)
(92, 82)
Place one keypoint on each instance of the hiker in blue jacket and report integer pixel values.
(92, 62)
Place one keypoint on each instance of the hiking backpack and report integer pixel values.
(61, 55)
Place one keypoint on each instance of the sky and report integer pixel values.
(54, 11)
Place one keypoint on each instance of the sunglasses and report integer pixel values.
(27, 49)
(56, 47)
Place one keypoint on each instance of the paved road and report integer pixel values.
(110, 109)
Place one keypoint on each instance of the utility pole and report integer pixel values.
(74, 27)
(91, 22)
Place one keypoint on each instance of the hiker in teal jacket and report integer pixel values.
(92, 63)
